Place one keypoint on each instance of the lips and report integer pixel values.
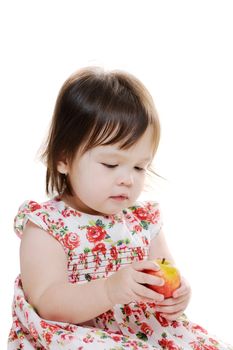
(120, 197)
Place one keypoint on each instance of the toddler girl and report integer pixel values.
(83, 252)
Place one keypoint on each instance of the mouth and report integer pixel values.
(120, 198)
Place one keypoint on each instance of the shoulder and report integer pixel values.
(52, 216)
(40, 214)
(148, 214)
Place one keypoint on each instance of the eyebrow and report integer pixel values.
(119, 154)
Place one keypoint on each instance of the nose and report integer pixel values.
(126, 179)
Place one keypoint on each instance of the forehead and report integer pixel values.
(111, 153)
(142, 149)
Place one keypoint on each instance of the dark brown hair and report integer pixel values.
(96, 107)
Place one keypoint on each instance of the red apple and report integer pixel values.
(171, 277)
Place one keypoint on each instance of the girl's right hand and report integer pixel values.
(127, 284)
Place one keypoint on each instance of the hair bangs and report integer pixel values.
(122, 129)
(121, 118)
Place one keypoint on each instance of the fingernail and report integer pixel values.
(161, 282)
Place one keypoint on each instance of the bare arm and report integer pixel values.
(47, 289)
(45, 281)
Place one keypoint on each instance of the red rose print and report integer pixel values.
(168, 344)
(142, 214)
(26, 315)
(100, 247)
(48, 337)
(151, 305)
(44, 324)
(107, 316)
(116, 337)
(130, 330)
(88, 339)
(113, 252)
(97, 260)
(140, 253)
(145, 328)
(127, 310)
(196, 346)
(109, 267)
(33, 206)
(213, 341)
(163, 343)
(142, 306)
(145, 240)
(137, 228)
(71, 240)
(95, 233)
(21, 305)
(66, 336)
(199, 328)
(161, 319)
(65, 213)
(175, 324)
(33, 331)
(155, 216)
(12, 335)
(53, 328)
(70, 212)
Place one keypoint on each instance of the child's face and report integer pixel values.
(107, 179)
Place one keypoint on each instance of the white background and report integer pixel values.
(182, 51)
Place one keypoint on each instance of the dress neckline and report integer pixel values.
(114, 217)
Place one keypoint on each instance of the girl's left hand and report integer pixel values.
(174, 307)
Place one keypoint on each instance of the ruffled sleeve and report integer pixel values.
(149, 215)
(156, 218)
(35, 212)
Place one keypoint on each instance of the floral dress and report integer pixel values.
(96, 247)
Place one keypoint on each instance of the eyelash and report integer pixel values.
(111, 166)
(139, 169)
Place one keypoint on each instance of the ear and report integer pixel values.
(62, 167)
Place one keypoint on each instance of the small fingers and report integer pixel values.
(145, 278)
(145, 265)
(172, 301)
(181, 292)
(183, 289)
(147, 293)
(171, 309)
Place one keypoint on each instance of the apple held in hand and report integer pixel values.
(171, 277)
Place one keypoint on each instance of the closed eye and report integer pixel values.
(139, 169)
(110, 165)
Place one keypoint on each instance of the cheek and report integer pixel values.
(91, 181)
(140, 188)
(140, 180)
(139, 185)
